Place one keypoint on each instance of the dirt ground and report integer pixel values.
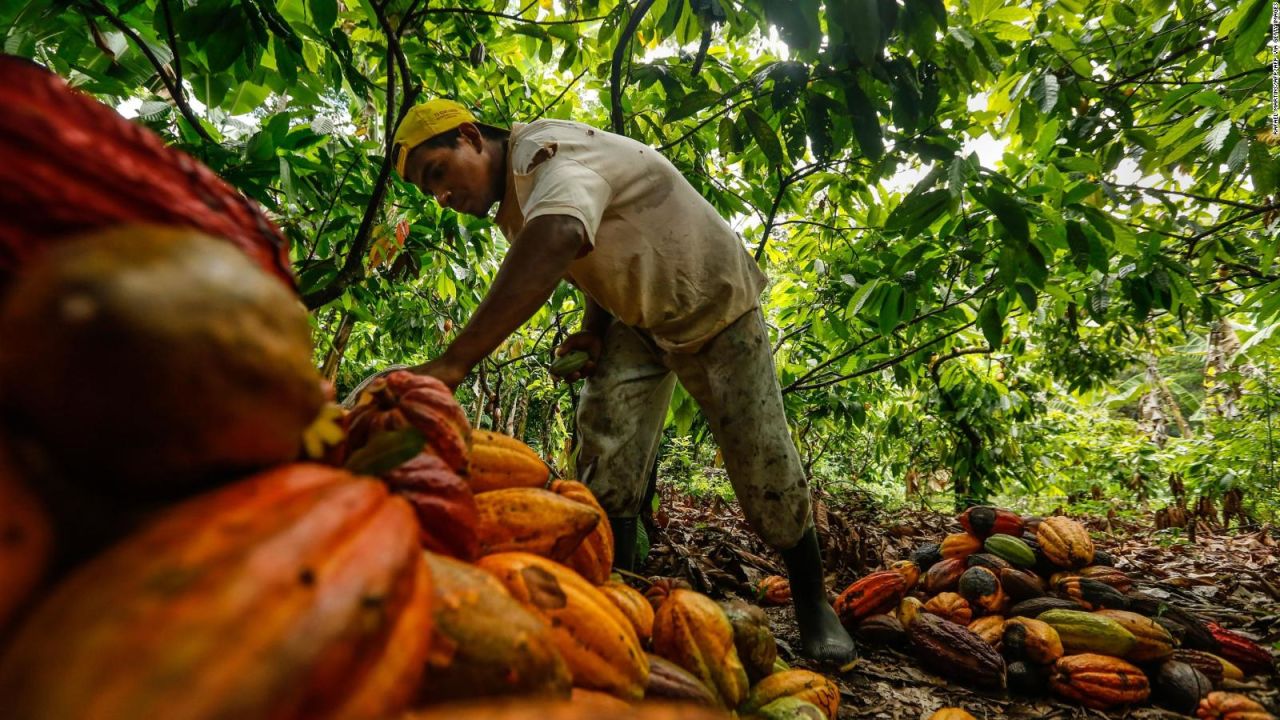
(1231, 577)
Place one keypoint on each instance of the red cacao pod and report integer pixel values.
(443, 502)
(403, 399)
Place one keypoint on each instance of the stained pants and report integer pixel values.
(624, 405)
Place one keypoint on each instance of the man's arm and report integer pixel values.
(537, 261)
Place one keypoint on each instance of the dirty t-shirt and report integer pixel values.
(661, 258)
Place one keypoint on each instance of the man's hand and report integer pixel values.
(444, 370)
(588, 342)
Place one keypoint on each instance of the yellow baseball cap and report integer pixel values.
(424, 122)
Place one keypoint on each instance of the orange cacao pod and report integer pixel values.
(1031, 639)
(403, 399)
(486, 644)
(803, 684)
(532, 520)
(953, 651)
(909, 571)
(323, 567)
(944, 575)
(989, 628)
(443, 502)
(1246, 654)
(1091, 594)
(593, 558)
(981, 588)
(602, 703)
(774, 590)
(1065, 542)
(908, 610)
(1098, 681)
(633, 605)
(960, 545)
(950, 606)
(874, 593)
(26, 542)
(951, 713)
(1108, 575)
(1230, 706)
(593, 636)
(983, 521)
(660, 588)
(1153, 642)
(752, 638)
(500, 461)
(692, 631)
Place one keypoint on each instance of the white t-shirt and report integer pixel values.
(661, 258)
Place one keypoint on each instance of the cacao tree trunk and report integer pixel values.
(332, 360)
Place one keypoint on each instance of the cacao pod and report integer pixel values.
(693, 632)
(1083, 632)
(983, 521)
(872, 594)
(909, 571)
(1179, 687)
(1091, 594)
(582, 709)
(989, 628)
(1230, 706)
(953, 651)
(443, 502)
(881, 629)
(1244, 653)
(633, 605)
(960, 545)
(485, 643)
(1020, 584)
(1065, 542)
(593, 558)
(1108, 575)
(908, 610)
(1102, 557)
(994, 563)
(1031, 639)
(774, 590)
(660, 588)
(950, 713)
(1196, 636)
(498, 462)
(926, 556)
(951, 607)
(1011, 549)
(752, 638)
(323, 567)
(803, 684)
(569, 363)
(1034, 607)
(1209, 665)
(534, 521)
(595, 639)
(26, 543)
(788, 708)
(601, 702)
(1152, 642)
(944, 575)
(1027, 678)
(402, 399)
(668, 681)
(981, 588)
(1098, 681)
(1176, 630)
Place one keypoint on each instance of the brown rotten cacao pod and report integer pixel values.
(1021, 584)
(403, 399)
(1210, 665)
(443, 502)
(1098, 681)
(1153, 642)
(960, 545)
(633, 605)
(693, 632)
(1030, 639)
(994, 563)
(981, 588)
(926, 556)
(485, 643)
(500, 461)
(660, 588)
(909, 571)
(951, 713)
(989, 628)
(1091, 594)
(1065, 542)
(944, 575)
(593, 558)
(953, 651)
(1230, 706)
(668, 681)
(774, 590)
(1034, 607)
(297, 593)
(1179, 687)
(872, 594)
(752, 638)
(1108, 575)
(595, 639)
(1246, 654)
(532, 520)
(1102, 557)
(1196, 635)
(983, 521)
(881, 629)
(803, 684)
(950, 606)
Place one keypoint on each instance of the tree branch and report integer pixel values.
(1195, 239)
(1194, 196)
(615, 73)
(505, 16)
(881, 365)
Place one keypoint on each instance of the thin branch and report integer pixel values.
(1195, 239)
(559, 97)
(703, 46)
(505, 16)
(709, 118)
(835, 228)
(790, 334)
(1194, 196)
(615, 73)
(884, 364)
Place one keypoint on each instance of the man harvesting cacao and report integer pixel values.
(670, 293)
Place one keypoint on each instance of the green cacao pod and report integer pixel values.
(1011, 549)
(1083, 632)
(569, 363)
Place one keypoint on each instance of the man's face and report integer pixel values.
(460, 177)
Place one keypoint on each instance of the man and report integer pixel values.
(670, 292)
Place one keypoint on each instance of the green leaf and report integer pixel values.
(1214, 141)
(1079, 244)
(1008, 212)
(324, 14)
(925, 206)
(765, 137)
(991, 321)
(890, 309)
(864, 17)
(860, 298)
(386, 451)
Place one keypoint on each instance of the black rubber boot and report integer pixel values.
(822, 638)
(624, 543)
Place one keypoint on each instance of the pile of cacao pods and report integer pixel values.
(1031, 606)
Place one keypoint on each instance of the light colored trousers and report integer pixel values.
(624, 405)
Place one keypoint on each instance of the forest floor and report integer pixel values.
(1231, 577)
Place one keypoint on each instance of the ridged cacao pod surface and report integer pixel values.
(1011, 549)
(774, 590)
(953, 651)
(981, 588)
(1246, 654)
(984, 521)
(1152, 642)
(533, 520)
(881, 629)
(593, 558)
(1196, 636)
(944, 575)
(960, 545)
(989, 628)
(909, 571)
(1231, 706)
(1031, 639)
(1209, 665)
(994, 563)
(1065, 542)
(950, 606)
(1020, 584)
(752, 638)
(402, 399)
(499, 461)
(660, 589)
(803, 684)
(1036, 606)
(1098, 681)
(668, 681)
(1083, 632)
(869, 595)
(693, 632)
(1108, 575)
(443, 502)
(633, 605)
